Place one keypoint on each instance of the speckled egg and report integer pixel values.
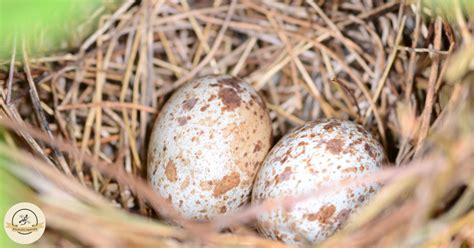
(207, 145)
(309, 157)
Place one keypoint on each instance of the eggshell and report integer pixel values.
(309, 157)
(207, 145)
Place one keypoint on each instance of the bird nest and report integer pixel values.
(76, 123)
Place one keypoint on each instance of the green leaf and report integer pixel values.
(48, 25)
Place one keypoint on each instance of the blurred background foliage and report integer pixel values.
(12, 190)
(447, 7)
(49, 25)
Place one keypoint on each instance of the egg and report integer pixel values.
(207, 145)
(310, 157)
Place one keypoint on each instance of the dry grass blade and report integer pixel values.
(426, 117)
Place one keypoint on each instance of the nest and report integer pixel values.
(80, 119)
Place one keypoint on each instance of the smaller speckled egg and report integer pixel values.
(309, 157)
(207, 145)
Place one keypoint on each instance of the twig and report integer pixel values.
(11, 71)
(426, 116)
(89, 41)
(245, 54)
(411, 63)
(39, 112)
(348, 92)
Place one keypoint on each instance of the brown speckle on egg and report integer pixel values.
(212, 97)
(185, 184)
(189, 104)
(334, 146)
(227, 183)
(182, 121)
(369, 150)
(170, 171)
(232, 82)
(257, 147)
(330, 126)
(285, 175)
(322, 215)
(349, 170)
(229, 98)
(222, 209)
(203, 108)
